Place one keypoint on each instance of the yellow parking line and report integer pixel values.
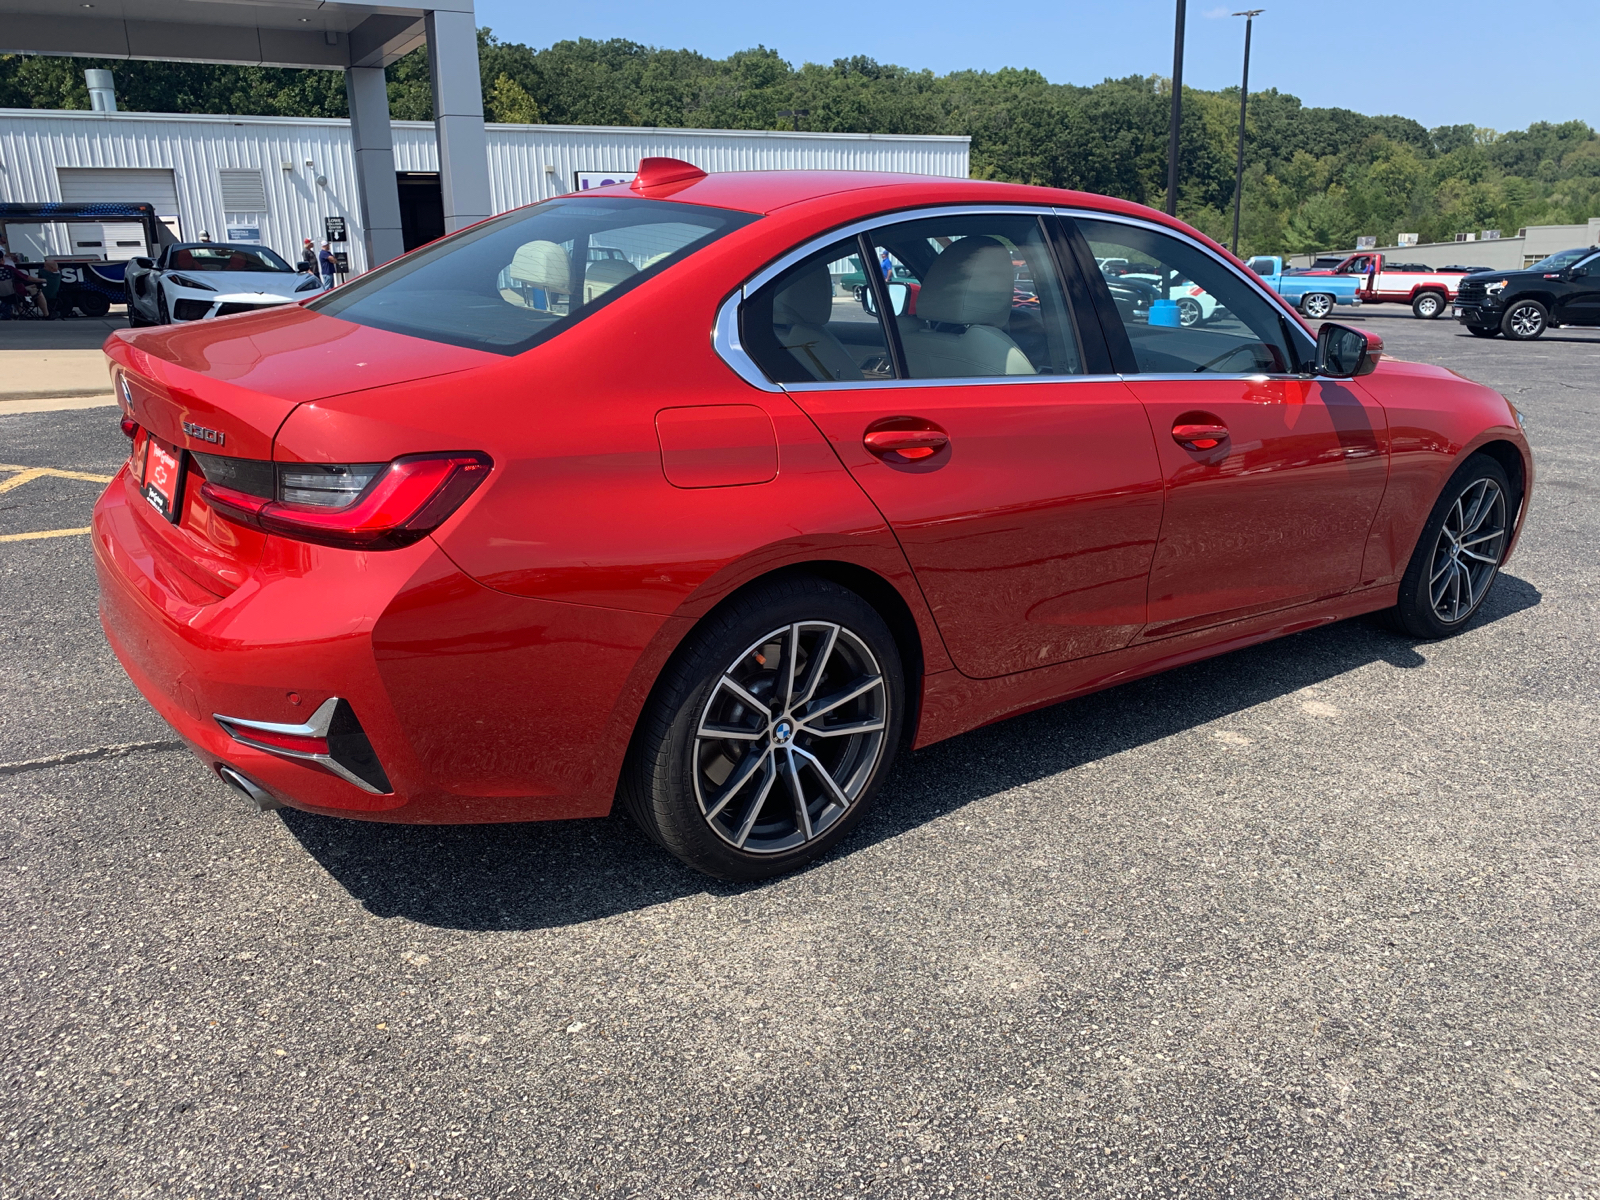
(45, 533)
(24, 474)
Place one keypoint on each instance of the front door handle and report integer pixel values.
(908, 437)
(1199, 436)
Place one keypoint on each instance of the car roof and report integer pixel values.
(767, 192)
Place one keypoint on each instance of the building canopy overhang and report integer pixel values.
(327, 34)
(358, 38)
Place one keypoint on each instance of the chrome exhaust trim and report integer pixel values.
(252, 791)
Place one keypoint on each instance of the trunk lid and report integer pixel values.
(224, 387)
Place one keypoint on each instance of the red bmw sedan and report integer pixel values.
(643, 494)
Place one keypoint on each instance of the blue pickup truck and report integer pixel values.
(1314, 295)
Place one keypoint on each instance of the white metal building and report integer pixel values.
(275, 180)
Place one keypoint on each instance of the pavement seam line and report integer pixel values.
(77, 756)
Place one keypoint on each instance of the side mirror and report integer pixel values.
(1343, 353)
(899, 294)
(144, 264)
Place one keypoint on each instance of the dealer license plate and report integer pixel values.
(163, 478)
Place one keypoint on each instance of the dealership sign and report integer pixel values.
(582, 181)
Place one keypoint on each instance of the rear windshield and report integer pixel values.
(227, 258)
(520, 279)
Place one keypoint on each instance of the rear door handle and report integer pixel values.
(1199, 436)
(910, 442)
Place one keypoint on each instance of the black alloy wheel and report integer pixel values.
(1479, 331)
(1316, 305)
(1524, 320)
(770, 732)
(163, 317)
(1428, 306)
(1458, 557)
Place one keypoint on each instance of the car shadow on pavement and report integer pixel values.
(550, 874)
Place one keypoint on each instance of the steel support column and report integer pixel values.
(373, 144)
(458, 117)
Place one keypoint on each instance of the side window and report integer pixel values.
(1185, 312)
(815, 322)
(976, 296)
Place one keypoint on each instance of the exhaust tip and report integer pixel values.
(249, 788)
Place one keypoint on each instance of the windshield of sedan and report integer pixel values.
(1561, 259)
(521, 279)
(214, 257)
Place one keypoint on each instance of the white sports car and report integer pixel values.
(193, 280)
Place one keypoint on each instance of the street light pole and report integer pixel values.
(1177, 115)
(1244, 97)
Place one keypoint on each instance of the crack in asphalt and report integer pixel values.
(118, 750)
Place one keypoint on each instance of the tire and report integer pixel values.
(1457, 559)
(1478, 331)
(1316, 305)
(1524, 320)
(673, 783)
(1428, 306)
(135, 321)
(163, 317)
(1190, 312)
(92, 304)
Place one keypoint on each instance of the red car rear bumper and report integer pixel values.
(475, 702)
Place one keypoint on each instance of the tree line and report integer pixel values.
(1315, 178)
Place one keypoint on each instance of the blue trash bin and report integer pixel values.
(1164, 312)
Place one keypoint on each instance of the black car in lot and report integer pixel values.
(1563, 289)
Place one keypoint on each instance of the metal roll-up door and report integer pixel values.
(123, 185)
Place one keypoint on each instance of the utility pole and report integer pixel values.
(1244, 97)
(1177, 115)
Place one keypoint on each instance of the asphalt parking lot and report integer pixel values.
(1317, 919)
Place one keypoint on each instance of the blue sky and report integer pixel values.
(1461, 61)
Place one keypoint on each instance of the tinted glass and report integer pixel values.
(976, 296)
(1184, 311)
(214, 257)
(817, 323)
(1560, 259)
(518, 280)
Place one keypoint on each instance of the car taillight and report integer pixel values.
(130, 427)
(376, 506)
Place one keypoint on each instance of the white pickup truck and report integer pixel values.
(1429, 292)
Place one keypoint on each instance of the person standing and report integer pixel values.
(330, 265)
(308, 256)
(51, 274)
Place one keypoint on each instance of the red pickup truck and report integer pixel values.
(1429, 292)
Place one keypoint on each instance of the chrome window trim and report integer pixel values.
(725, 341)
(957, 381)
(725, 332)
(1249, 278)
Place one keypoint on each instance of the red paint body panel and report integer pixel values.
(1032, 531)
(1060, 542)
(1274, 516)
(717, 445)
(1436, 418)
